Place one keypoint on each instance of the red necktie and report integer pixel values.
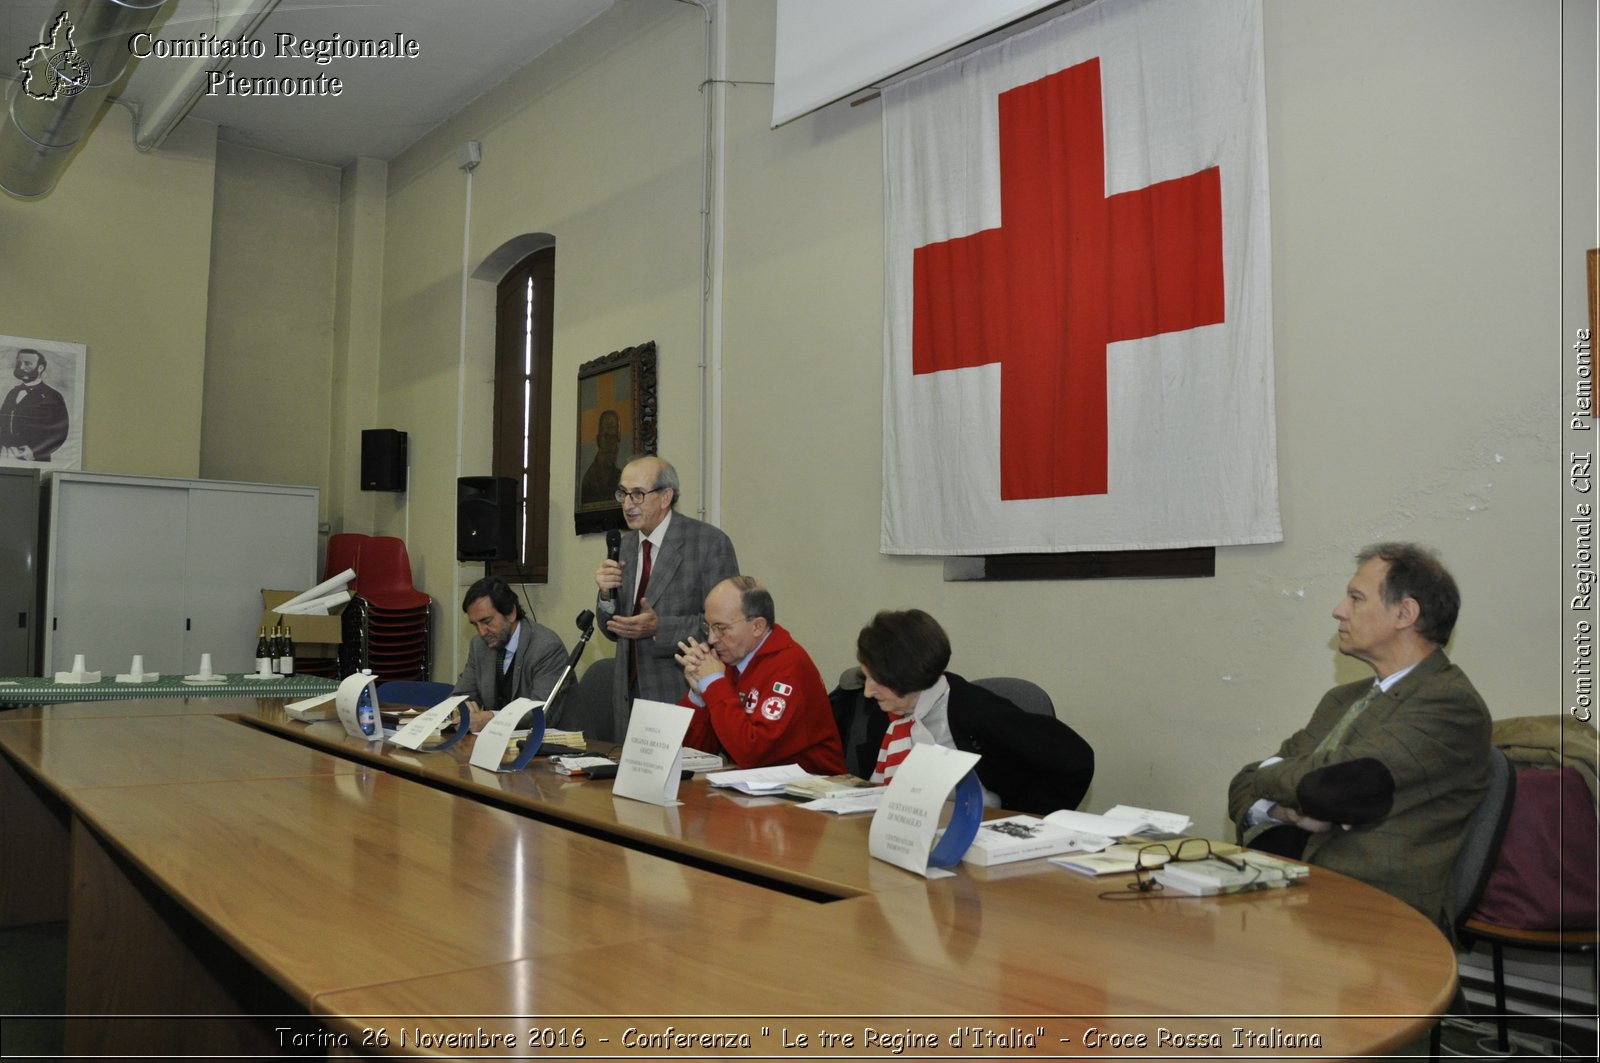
(896, 747)
(633, 644)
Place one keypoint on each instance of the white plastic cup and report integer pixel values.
(136, 669)
(78, 666)
(205, 665)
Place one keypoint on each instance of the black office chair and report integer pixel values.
(1485, 830)
(1025, 695)
(586, 706)
(414, 693)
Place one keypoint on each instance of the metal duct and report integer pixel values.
(38, 135)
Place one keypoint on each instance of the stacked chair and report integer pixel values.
(387, 623)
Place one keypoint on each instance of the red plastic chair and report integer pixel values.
(344, 551)
(386, 575)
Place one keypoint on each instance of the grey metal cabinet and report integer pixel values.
(169, 568)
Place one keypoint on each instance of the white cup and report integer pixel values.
(205, 665)
(78, 667)
(136, 669)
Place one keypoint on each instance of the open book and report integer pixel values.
(1001, 841)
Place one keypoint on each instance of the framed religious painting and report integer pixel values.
(616, 422)
(41, 406)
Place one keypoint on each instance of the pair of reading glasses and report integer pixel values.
(1150, 857)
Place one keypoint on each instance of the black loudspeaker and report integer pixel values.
(486, 518)
(383, 459)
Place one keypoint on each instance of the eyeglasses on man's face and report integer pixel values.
(636, 496)
(707, 628)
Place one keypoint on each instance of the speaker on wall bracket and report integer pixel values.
(486, 518)
(383, 459)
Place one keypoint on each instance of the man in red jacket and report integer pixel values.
(756, 694)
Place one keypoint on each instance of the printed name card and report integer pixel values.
(489, 750)
(652, 754)
(421, 727)
(908, 817)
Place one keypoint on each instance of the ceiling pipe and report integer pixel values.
(38, 136)
(186, 79)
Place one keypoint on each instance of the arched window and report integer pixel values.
(524, 305)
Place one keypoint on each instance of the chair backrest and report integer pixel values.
(587, 706)
(420, 693)
(1025, 695)
(344, 551)
(385, 565)
(1544, 878)
(1485, 830)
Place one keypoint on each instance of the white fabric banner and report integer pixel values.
(1078, 334)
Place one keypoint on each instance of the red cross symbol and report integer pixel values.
(1069, 270)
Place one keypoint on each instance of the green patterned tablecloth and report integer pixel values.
(26, 690)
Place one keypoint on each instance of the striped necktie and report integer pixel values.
(896, 747)
(1334, 737)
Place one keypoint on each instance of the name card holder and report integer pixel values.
(904, 825)
(489, 749)
(652, 754)
(420, 728)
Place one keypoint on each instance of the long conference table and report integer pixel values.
(236, 883)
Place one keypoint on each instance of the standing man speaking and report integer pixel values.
(667, 566)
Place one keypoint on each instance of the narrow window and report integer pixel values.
(526, 299)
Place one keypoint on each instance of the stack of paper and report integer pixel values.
(579, 765)
(760, 780)
(696, 760)
(848, 802)
(819, 786)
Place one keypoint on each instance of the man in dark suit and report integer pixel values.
(511, 657)
(1381, 782)
(668, 564)
(33, 415)
(1029, 763)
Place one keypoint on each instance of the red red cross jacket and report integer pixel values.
(777, 712)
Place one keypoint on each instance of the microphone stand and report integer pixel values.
(586, 625)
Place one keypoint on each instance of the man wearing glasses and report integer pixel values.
(1381, 782)
(756, 693)
(651, 596)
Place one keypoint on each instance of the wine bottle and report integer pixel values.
(275, 649)
(286, 651)
(263, 656)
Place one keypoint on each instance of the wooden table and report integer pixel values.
(394, 911)
(769, 839)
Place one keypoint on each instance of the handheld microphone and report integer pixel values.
(613, 552)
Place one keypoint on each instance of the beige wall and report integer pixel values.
(270, 322)
(1414, 160)
(116, 257)
(1416, 165)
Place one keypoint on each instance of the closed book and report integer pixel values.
(1002, 841)
(1207, 878)
(1116, 860)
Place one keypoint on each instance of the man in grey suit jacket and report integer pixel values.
(686, 558)
(511, 657)
(1381, 782)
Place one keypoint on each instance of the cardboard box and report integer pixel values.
(314, 636)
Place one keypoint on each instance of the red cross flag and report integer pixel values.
(1078, 292)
